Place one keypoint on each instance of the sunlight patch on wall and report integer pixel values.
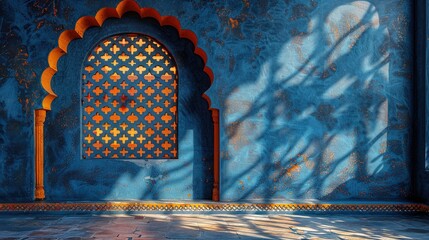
(346, 24)
(339, 88)
(297, 60)
(154, 182)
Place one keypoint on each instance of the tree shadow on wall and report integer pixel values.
(327, 117)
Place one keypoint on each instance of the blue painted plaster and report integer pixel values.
(188, 177)
(421, 100)
(315, 100)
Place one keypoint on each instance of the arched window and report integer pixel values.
(129, 100)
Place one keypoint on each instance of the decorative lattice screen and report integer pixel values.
(129, 100)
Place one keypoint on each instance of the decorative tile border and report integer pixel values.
(211, 207)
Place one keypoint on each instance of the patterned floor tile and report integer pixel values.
(225, 226)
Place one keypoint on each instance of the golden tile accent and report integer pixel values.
(213, 207)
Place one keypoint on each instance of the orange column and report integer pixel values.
(216, 163)
(39, 120)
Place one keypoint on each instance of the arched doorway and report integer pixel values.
(191, 173)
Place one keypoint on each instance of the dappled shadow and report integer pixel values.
(215, 226)
(327, 117)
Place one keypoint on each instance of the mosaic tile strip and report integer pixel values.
(213, 207)
(129, 100)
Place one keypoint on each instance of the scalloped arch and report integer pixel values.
(102, 15)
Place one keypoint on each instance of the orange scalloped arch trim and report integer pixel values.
(102, 15)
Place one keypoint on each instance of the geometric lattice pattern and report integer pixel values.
(411, 208)
(129, 100)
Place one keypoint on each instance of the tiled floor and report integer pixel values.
(215, 226)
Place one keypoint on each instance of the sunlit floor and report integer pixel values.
(215, 226)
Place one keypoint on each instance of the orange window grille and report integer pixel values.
(129, 100)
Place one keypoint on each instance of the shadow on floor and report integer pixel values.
(216, 226)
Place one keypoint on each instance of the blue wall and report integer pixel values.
(68, 177)
(315, 99)
(421, 104)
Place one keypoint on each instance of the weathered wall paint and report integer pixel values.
(325, 106)
(421, 104)
(69, 177)
(315, 99)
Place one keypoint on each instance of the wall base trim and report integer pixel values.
(211, 207)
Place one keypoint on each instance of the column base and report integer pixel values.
(40, 193)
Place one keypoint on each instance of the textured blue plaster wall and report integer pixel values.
(68, 177)
(315, 96)
(421, 166)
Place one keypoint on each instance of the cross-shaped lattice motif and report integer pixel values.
(129, 100)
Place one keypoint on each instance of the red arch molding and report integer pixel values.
(102, 15)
